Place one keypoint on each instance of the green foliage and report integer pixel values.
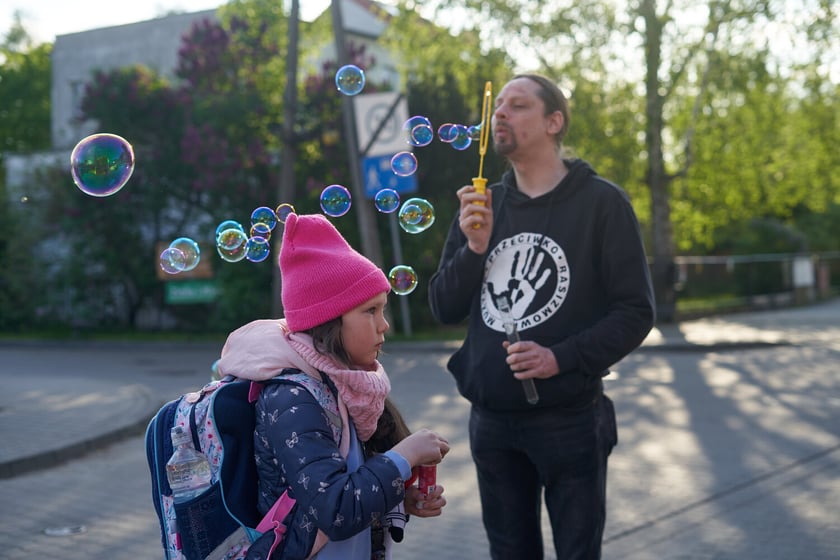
(24, 126)
(749, 144)
(24, 92)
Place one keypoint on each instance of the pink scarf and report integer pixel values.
(261, 349)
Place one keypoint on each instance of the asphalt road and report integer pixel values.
(729, 446)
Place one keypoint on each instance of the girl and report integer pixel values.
(333, 330)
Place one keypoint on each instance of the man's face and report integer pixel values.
(518, 120)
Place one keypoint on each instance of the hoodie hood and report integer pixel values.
(260, 350)
(575, 179)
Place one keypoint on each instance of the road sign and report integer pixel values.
(204, 268)
(191, 291)
(378, 175)
(371, 109)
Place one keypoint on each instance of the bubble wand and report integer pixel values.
(480, 183)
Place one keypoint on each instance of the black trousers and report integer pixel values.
(556, 453)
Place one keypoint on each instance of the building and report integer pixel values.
(155, 43)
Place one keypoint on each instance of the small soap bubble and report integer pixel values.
(232, 255)
(102, 164)
(261, 229)
(172, 260)
(447, 132)
(282, 212)
(416, 215)
(350, 79)
(190, 250)
(474, 132)
(387, 201)
(231, 239)
(264, 215)
(404, 164)
(335, 200)
(418, 131)
(257, 249)
(411, 214)
(226, 225)
(462, 139)
(403, 279)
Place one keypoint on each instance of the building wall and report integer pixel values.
(153, 43)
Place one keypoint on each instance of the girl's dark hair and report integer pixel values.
(553, 100)
(326, 338)
(390, 429)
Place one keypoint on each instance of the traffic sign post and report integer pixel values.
(378, 175)
(371, 110)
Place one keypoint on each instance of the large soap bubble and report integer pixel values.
(102, 164)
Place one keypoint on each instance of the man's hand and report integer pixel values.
(527, 360)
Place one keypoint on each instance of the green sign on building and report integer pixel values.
(191, 291)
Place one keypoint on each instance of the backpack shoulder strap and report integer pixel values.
(324, 392)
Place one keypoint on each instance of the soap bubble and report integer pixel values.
(264, 215)
(101, 164)
(474, 132)
(257, 249)
(282, 212)
(350, 79)
(234, 248)
(231, 239)
(335, 200)
(462, 139)
(403, 279)
(404, 164)
(418, 131)
(232, 255)
(447, 132)
(387, 201)
(228, 224)
(172, 260)
(190, 250)
(416, 215)
(260, 229)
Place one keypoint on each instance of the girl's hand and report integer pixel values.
(423, 447)
(417, 503)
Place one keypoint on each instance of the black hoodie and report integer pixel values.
(573, 264)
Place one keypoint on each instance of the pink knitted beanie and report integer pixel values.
(323, 276)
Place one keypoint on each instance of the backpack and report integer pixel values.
(223, 522)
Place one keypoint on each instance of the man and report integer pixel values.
(562, 246)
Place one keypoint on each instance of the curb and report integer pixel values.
(48, 458)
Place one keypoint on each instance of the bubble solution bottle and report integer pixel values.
(188, 470)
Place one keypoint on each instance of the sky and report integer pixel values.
(44, 19)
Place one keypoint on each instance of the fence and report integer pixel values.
(716, 284)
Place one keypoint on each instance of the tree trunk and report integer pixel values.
(286, 188)
(657, 179)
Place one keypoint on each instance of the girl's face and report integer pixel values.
(363, 331)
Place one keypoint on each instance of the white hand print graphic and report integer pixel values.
(527, 269)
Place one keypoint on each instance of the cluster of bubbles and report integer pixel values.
(415, 215)
(419, 132)
(182, 255)
(234, 244)
(101, 164)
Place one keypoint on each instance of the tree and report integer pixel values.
(672, 48)
(24, 126)
(204, 152)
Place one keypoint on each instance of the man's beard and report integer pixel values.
(505, 148)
